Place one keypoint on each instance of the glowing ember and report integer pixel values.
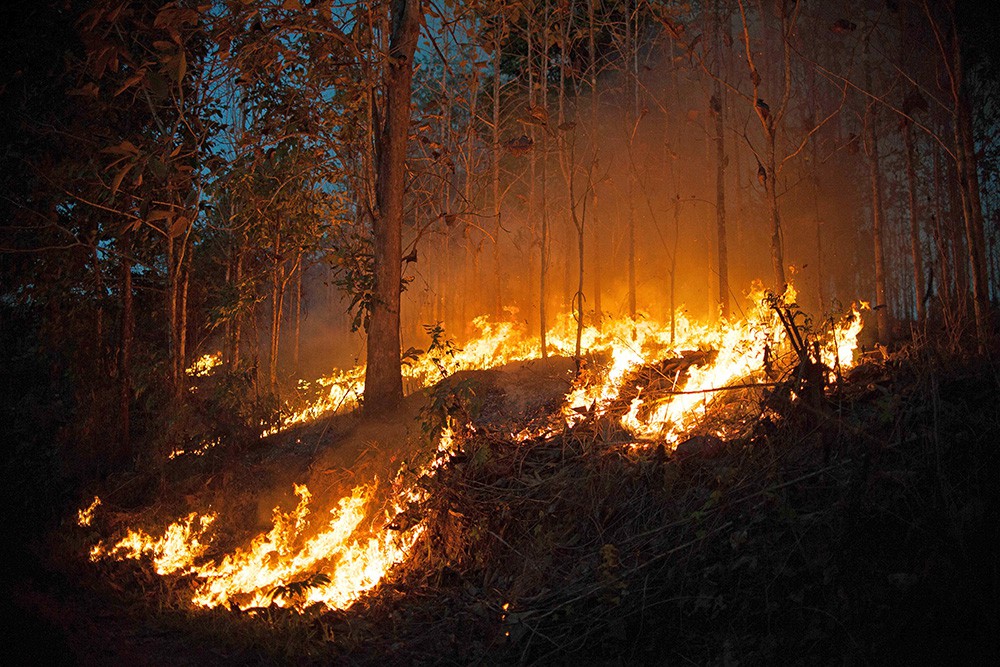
(201, 450)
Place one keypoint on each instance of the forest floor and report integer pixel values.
(865, 533)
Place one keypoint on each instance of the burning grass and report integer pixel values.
(308, 558)
(571, 530)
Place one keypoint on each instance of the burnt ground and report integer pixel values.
(867, 536)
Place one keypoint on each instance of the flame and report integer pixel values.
(180, 544)
(204, 365)
(249, 577)
(200, 450)
(332, 558)
(85, 515)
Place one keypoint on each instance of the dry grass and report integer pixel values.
(862, 532)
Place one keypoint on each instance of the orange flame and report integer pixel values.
(333, 559)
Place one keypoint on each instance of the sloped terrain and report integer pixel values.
(866, 534)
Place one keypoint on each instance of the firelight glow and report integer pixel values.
(332, 558)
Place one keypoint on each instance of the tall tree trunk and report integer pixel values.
(718, 107)
(383, 376)
(770, 121)
(774, 213)
(878, 220)
(532, 166)
(915, 247)
(473, 280)
(543, 254)
(631, 117)
(182, 315)
(125, 352)
(945, 282)
(592, 57)
(498, 226)
(99, 292)
(173, 343)
(237, 330)
(277, 299)
(975, 238)
(298, 318)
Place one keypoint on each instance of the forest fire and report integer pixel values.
(314, 558)
(508, 332)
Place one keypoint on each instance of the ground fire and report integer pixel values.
(306, 559)
(514, 332)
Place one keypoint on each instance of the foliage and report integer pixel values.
(450, 403)
(354, 271)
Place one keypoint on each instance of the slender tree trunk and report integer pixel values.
(631, 116)
(498, 308)
(975, 238)
(878, 222)
(945, 282)
(592, 55)
(955, 228)
(173, 343)
(298, 318)
(472, 279)
(774, 214)
(543, 250)
(277, 299)
(814, 182)
(238, 320)
(182, 316)
(915, 247)
(719, 107)
(673, 269)
(532, 165)
(99, 292)
(125, 352)
(383, 376)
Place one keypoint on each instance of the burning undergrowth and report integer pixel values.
(534, 507)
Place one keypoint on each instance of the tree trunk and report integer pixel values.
(718, 107)
(277, 299)
(125, 353)
(915, 247)
(498, 227)
(945, 283)
(592, 56)
(544, 244)
(173, 343)
(298, 319)
(182, 315)
(631, 116)
(99, 291)
(975, 238)
(383, 376)
(878, 221)
(774, 214)
(234, 345)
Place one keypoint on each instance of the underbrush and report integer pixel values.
(866, 534)
(863, 532)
